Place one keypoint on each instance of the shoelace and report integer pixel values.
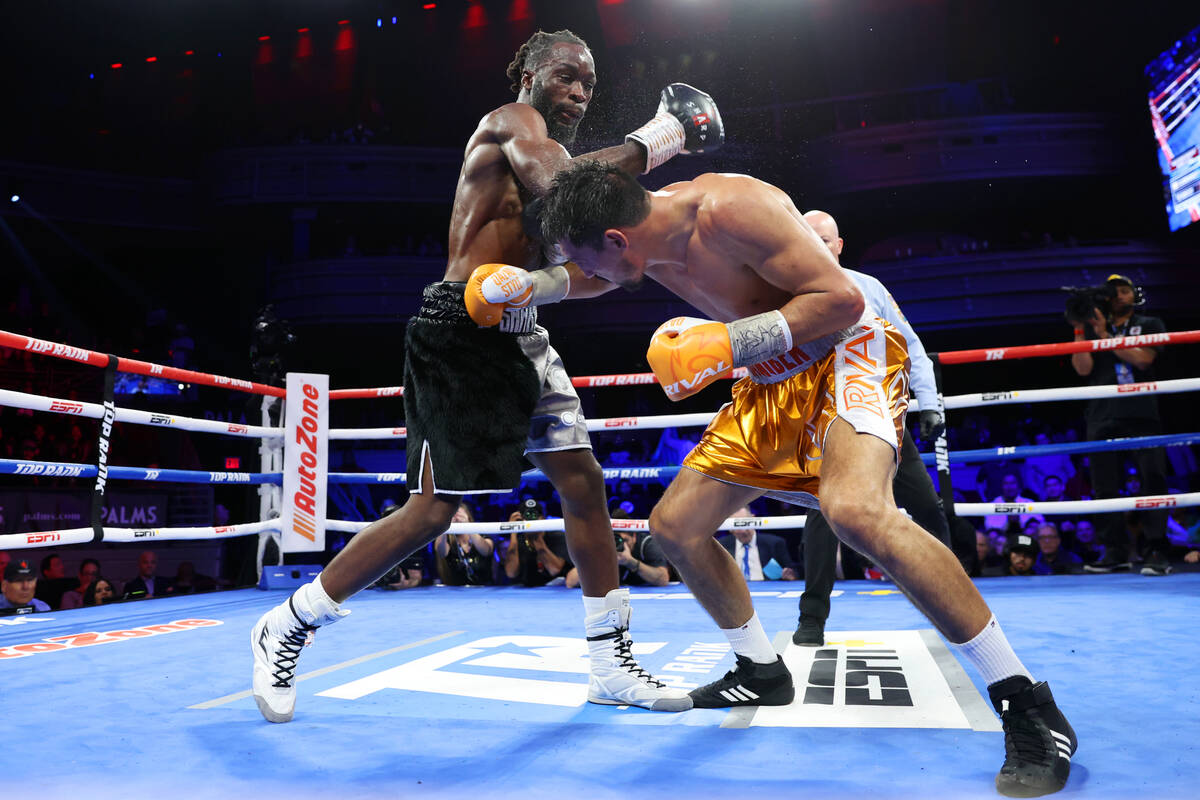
(1024, 741)
(626, 659)
(288, 654)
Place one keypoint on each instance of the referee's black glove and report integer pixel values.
(932, 425)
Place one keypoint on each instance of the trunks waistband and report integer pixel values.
(443, 302)
(799, 358)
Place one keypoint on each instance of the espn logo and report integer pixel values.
(66, 407)
(873, 678)
(1156, 502)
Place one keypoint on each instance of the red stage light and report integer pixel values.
(343, 22)
(151, 59)
(233, 462)
(189, 52)
(118, 65)
(301, 30)
(429, 6)
(264, 38)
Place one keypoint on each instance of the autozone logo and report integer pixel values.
(41, 538)
(1010, 508)
(75, 640)
(1156, 502)
(1137, 387)
(66, 407)
(996, 355)
(304, 519)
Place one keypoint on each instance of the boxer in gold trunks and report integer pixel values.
(820, 416)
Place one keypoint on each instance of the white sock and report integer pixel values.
(992, 655)
(315, 605)
(750, 640)
(593, 605)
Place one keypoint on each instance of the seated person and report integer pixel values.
(1054, 559)
(99, 592)
(639, 558)
(754, 552)
(1022, 554)
(88, 570)
(18, 587)
(535, 559)
(463, 559)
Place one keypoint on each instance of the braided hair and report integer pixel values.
(536, 50)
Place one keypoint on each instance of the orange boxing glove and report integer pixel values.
(495, 287)
(688, 354)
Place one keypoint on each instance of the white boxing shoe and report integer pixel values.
(616, 677)
(276, 641)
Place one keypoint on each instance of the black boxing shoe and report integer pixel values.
(748, 684)
(1113, 561)
(810, 632)
(1038, 740)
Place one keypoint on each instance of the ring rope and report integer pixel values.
(20, 541)
(131, 365)
(78, 408)
(1098, 446)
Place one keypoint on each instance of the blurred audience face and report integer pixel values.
(103, 592)
(147, 564)
(1048, 539)
(54, 569)
(462, 514)
(1021, 561)
(1010, 487)
(1052, 488)
(88, 571)
(999, 543)
(1084, 532)
(983, 545)
(19, 593)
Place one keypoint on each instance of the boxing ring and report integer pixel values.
(455, 691)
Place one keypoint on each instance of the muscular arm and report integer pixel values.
(757, 226)
(583, 287)
(534, 157)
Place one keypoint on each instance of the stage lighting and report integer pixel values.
(379, 22)
(16, 198)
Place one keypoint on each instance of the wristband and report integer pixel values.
(549, 285)
(757, 338)
(663, 137)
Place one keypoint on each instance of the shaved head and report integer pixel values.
(826, 227)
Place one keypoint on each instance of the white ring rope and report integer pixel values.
(77, 408)
(558, 525)
(20, 541)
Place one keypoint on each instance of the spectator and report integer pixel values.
(759, 556)
(463, 559)
(1085, 542)
(1134, 414)
(4, 559)
(88, 570)
(1052, 489)
(18, 588)
(535, 559)
(188, 581)
(99, 592)
(639, 558)
(146, 584)
(1038, 469)
(1053, 558)
(1010, 493)
(54, 581)
(1022, 555)
(990, 561)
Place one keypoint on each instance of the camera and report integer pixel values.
(620, 542)
(1081, 301)
(530, 509)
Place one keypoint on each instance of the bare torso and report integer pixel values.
(485, 224)
(723, 274)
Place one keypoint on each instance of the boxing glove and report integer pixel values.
(687, 122)
(687, 354)
(495, 287)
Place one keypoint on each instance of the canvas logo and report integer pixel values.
(878, 679)
(543, 670)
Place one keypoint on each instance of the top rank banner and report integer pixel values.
(305, 462)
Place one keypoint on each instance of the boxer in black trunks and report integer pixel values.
(477, 399)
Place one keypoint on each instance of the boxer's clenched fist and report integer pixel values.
(688, 354)
(495, 287)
